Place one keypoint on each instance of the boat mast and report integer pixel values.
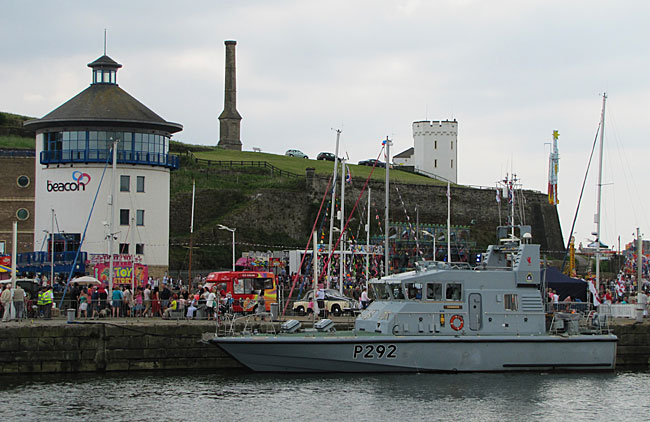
(368, 242)
(112, 223)
(189, 273)
(600, 176)
(386, 249)
(342, 241)
(333, 200)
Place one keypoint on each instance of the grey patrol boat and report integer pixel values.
(444, 318)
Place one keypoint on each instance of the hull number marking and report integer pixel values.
(371, 351)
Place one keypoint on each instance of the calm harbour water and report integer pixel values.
(236, 395)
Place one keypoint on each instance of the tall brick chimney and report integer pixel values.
(230, 119)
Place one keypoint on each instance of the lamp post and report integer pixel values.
(222, 227)
(433, 237)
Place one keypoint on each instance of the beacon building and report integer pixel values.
(436, 148)
(73, 176)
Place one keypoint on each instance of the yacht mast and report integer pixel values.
(386, 229)
(333, 201)
(600, 177)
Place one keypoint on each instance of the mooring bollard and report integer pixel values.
(71, 313)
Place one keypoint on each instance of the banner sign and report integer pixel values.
(122, 273)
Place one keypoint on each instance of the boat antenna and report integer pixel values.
(104, 41)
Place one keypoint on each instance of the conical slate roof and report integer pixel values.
(104, 104)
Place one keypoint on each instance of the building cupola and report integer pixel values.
(104, 70)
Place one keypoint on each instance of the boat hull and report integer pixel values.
(421, 354)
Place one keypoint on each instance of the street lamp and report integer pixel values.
(222, 227)
(433, 237)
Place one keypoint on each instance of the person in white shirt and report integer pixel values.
(365, 300)
(210, 301)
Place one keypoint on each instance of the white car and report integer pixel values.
(295, 153)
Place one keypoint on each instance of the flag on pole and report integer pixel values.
(448, 192)
(620, 285)
(592, 290)
(348, 177)
(498, 197)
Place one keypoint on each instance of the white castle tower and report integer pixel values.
(436, 148)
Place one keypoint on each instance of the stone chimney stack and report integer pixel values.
(230, 119)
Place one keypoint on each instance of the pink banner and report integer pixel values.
(122, 273)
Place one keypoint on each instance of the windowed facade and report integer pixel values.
(95, 146)
(139, 184)
(124, 217)
(125, 183)
(139, 218)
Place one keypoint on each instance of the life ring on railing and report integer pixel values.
(456, 322)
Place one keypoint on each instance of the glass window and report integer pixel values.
(22, 181)
(454, 291)
(398, 292)
(124, 217)
(435, 163)
(139, 219)
(381, 291)
(124, 249)
(22, 214)
(434, 291)
(2, 246)
(139, 248)
(452, 144)
(414, 290)
(125, 183)
(140, 184)
(510, 302)
(452, 164)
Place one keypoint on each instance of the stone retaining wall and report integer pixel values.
(633, 347)
(57, 347)
(101, 347)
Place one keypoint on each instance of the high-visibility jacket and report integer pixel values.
(41, 298)
(48, 298)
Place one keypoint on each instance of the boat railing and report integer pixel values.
(234, 324)
(578, 317)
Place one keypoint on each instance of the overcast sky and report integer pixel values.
(510, 72)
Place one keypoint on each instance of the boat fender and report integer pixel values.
(396, 330)
(456, 322)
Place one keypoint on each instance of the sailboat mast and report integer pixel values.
(600, 177)
(333, 206)
(189, 273)
(386, 249)
(342, 242)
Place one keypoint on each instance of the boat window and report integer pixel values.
(414, 290)
(510, 302)
(380, 291)
(434, 291)
(398, 292)
(454, 291)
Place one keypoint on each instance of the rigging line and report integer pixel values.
(311, 234)
(408, 221)
(329, 258)
(582, 190)
(83, 237)
(627, 173)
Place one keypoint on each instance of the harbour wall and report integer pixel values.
(104, 347)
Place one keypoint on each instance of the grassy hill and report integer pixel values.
(12, 133)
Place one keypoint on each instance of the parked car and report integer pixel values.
(371, 162)
(327, 156)
(335, 303)
(295, 153)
